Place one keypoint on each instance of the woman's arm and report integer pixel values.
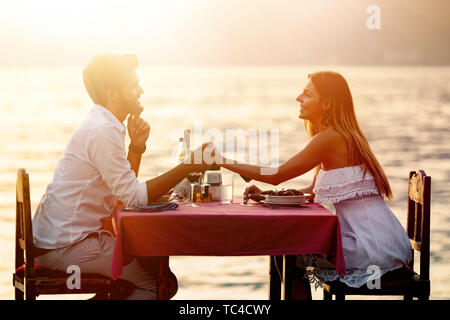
(314, 153)
(313, 183)
(256, 194)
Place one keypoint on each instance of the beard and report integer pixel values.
(132, 106)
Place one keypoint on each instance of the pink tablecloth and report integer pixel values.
(215, 229)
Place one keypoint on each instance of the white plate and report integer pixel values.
(284, 203)
(285, 199)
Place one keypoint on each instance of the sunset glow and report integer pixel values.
(39, 28)
(220, 32)
(318, 109)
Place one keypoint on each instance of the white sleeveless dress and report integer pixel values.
(371, 234)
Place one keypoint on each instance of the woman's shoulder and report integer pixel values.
(334, 148)
(330, 136)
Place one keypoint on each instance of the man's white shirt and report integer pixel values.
(91, 175)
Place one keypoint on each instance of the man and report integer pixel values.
(94, 172)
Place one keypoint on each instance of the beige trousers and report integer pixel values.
(94, 255)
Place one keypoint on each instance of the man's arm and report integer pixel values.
(158, 186)
(134, 158)
(138, 130)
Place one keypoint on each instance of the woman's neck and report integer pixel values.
(318, 127)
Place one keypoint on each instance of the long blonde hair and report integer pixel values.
(341, 116)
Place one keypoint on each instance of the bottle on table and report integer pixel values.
(183, 189)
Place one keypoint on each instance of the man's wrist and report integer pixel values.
(186, 168)
(137, 149)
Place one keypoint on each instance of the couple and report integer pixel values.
(95, 172)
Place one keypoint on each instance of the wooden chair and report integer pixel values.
(418, 229)
(30, 280)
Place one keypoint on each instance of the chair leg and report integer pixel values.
(407, 297)
(275, 277)
(340, 297)
(424, 298)
(18, 294)
(29, 295)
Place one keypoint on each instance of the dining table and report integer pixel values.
(231, 229)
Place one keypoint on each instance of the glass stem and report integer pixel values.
(246, 187)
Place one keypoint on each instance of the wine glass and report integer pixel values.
(193, 177)
(247, 184)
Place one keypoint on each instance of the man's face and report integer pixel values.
(130, 95)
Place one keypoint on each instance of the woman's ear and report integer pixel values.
(326, 104)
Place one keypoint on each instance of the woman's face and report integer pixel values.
(309, 99)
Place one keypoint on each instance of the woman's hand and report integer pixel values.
(310, 197)
(254, 193)
(309, 193)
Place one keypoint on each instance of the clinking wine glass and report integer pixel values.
(193, 178)
(247, 184)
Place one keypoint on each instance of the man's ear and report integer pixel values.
(112, 96)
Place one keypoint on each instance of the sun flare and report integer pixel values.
(53, 19)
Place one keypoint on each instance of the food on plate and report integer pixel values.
(288, 192)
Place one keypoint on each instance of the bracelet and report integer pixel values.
(136, 149)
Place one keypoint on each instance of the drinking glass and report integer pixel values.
(226, 189)
(193, 178)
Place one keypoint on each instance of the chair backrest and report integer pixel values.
(24, 231)
(418, 225)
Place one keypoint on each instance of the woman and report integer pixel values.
(348, 176)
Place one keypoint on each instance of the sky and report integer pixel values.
(225, 32)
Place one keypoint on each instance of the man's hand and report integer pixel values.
(138, 130)
(159, 185)
(109, 224)
(217, 157)
(200, 160)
